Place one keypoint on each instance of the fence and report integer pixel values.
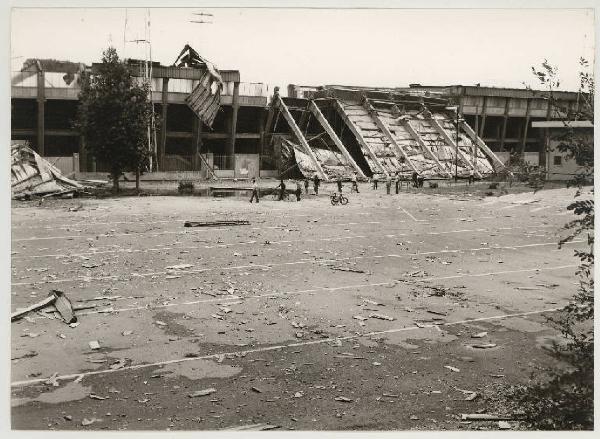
(221, 162)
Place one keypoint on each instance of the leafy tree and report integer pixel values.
(113, 117)
(565, 400)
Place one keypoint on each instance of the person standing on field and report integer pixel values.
(281, 190)
(388, 184)
(339, 184)
(306, 185)
(375, 181)
(254, 190)
(298, 190)
(316, 182)
(354, 182)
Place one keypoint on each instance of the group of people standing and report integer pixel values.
(397, 181)
(281, 188)
(416, 178)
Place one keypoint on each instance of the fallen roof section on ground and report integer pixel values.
(341, 130)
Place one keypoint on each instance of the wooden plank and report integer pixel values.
(331, 133)
(434, 123)
(357, 134)
(41, 304)
(474, 137)
(292, 123)
(385, 129)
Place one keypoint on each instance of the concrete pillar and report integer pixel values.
(261, 130)
(163, 124)
(196, 143)
(483, 116)
(233, 126)
(76, 162)
(525, 127)
(41, 99)
(504, 123)
(82, 155)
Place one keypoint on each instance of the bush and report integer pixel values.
(564, 398)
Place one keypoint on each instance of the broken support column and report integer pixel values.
(294, 127)
(480, 143)
(314, 109)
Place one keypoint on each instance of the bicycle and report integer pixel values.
(336, 198)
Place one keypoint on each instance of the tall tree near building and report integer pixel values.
(113, 117)
(564, 400)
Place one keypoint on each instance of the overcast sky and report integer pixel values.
(391, 47)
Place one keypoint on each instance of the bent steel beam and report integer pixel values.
(314, 109)
(465, 126)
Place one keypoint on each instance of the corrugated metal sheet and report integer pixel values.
(205, 98)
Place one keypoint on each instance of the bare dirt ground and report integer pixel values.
(314, 317)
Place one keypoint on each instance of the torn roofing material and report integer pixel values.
(374, 132)
(205, 98)
(33, 175)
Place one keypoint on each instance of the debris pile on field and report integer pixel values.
(32, 175)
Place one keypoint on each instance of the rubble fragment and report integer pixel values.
(216, 223)
(204, 392)
(33, 175)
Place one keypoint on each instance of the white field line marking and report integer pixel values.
(123, 250)
(314, 290)
(269, 266)
(277, 347)
(108, 223)
(411, 217)
(189, 231)
(537, 209)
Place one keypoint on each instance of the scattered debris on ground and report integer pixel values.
(204, 392)
(56, 298)
(33, 175)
